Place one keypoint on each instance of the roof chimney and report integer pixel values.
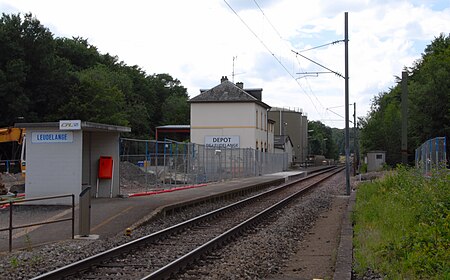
(240, 85)
(223, 79)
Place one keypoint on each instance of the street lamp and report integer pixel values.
(323, 145)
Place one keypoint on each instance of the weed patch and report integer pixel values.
(402, 226)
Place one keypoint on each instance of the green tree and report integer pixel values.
(43, 78)
(78, 53)
(381, 130)
(429, 89)
(429, 106)
(176, 110)
(97, 98)
(26, 63)
(321, 140)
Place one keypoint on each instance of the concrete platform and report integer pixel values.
(111, 216)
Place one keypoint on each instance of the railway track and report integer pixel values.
(164, 253)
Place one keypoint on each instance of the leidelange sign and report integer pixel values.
(222, 142)
(70, 125)
(52, 137)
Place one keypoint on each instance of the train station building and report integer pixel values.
(228, 115)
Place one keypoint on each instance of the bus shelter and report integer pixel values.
(64, 157)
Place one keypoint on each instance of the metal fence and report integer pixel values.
(10, 166)
(432, 154)
(12, 203)
(169, 162)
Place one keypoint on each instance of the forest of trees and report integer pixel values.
(45, 78)
(428, 112)
(428, 106)
(323, 140)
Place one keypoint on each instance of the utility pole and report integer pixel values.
(347, 140)
(405, 117)
(232, 73)
(354, 139)
(357, 142)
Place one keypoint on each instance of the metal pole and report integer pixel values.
(10, 225)
(354, 139)
(156, 162)
(347, 150)
(404, 117)
(73, 215)
(146, 166)
(164, 163)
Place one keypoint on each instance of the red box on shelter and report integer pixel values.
(105, 167)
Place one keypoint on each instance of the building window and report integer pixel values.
(262, 126)
(257, 118)
(257, 144)
(379, 156)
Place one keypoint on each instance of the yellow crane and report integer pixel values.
(14, 134)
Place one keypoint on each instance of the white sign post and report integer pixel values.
(69, 124)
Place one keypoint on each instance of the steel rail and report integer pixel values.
(182, 262)
(88, 262)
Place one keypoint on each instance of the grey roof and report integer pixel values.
(179, 126)
(226, 92)
(87, 126)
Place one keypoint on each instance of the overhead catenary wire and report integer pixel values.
(288, 47)
(324, 67)
(334, 72)
(321, 46)
(343, 118)
(273, 55)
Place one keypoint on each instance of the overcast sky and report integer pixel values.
(195, 41)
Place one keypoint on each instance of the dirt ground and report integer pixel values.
(11, 183)
(316, 254)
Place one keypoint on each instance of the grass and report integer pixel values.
(402, 226)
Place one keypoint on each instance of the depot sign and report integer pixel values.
(222, 142)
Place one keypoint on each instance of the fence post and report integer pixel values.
(10, 225)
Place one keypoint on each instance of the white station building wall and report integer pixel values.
(246, 120)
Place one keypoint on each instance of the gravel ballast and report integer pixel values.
(259, 254)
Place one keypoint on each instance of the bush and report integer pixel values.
(402, 226)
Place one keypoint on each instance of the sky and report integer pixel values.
(256, 41)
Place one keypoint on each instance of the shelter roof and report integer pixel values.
(86, 126)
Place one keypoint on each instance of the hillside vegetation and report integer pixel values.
(45, 78)
(428, 106)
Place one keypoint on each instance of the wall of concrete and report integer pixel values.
(56, 168)
(374, 163)
(104, 144)
(53, 168)
(294, 125)
(246, 120)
